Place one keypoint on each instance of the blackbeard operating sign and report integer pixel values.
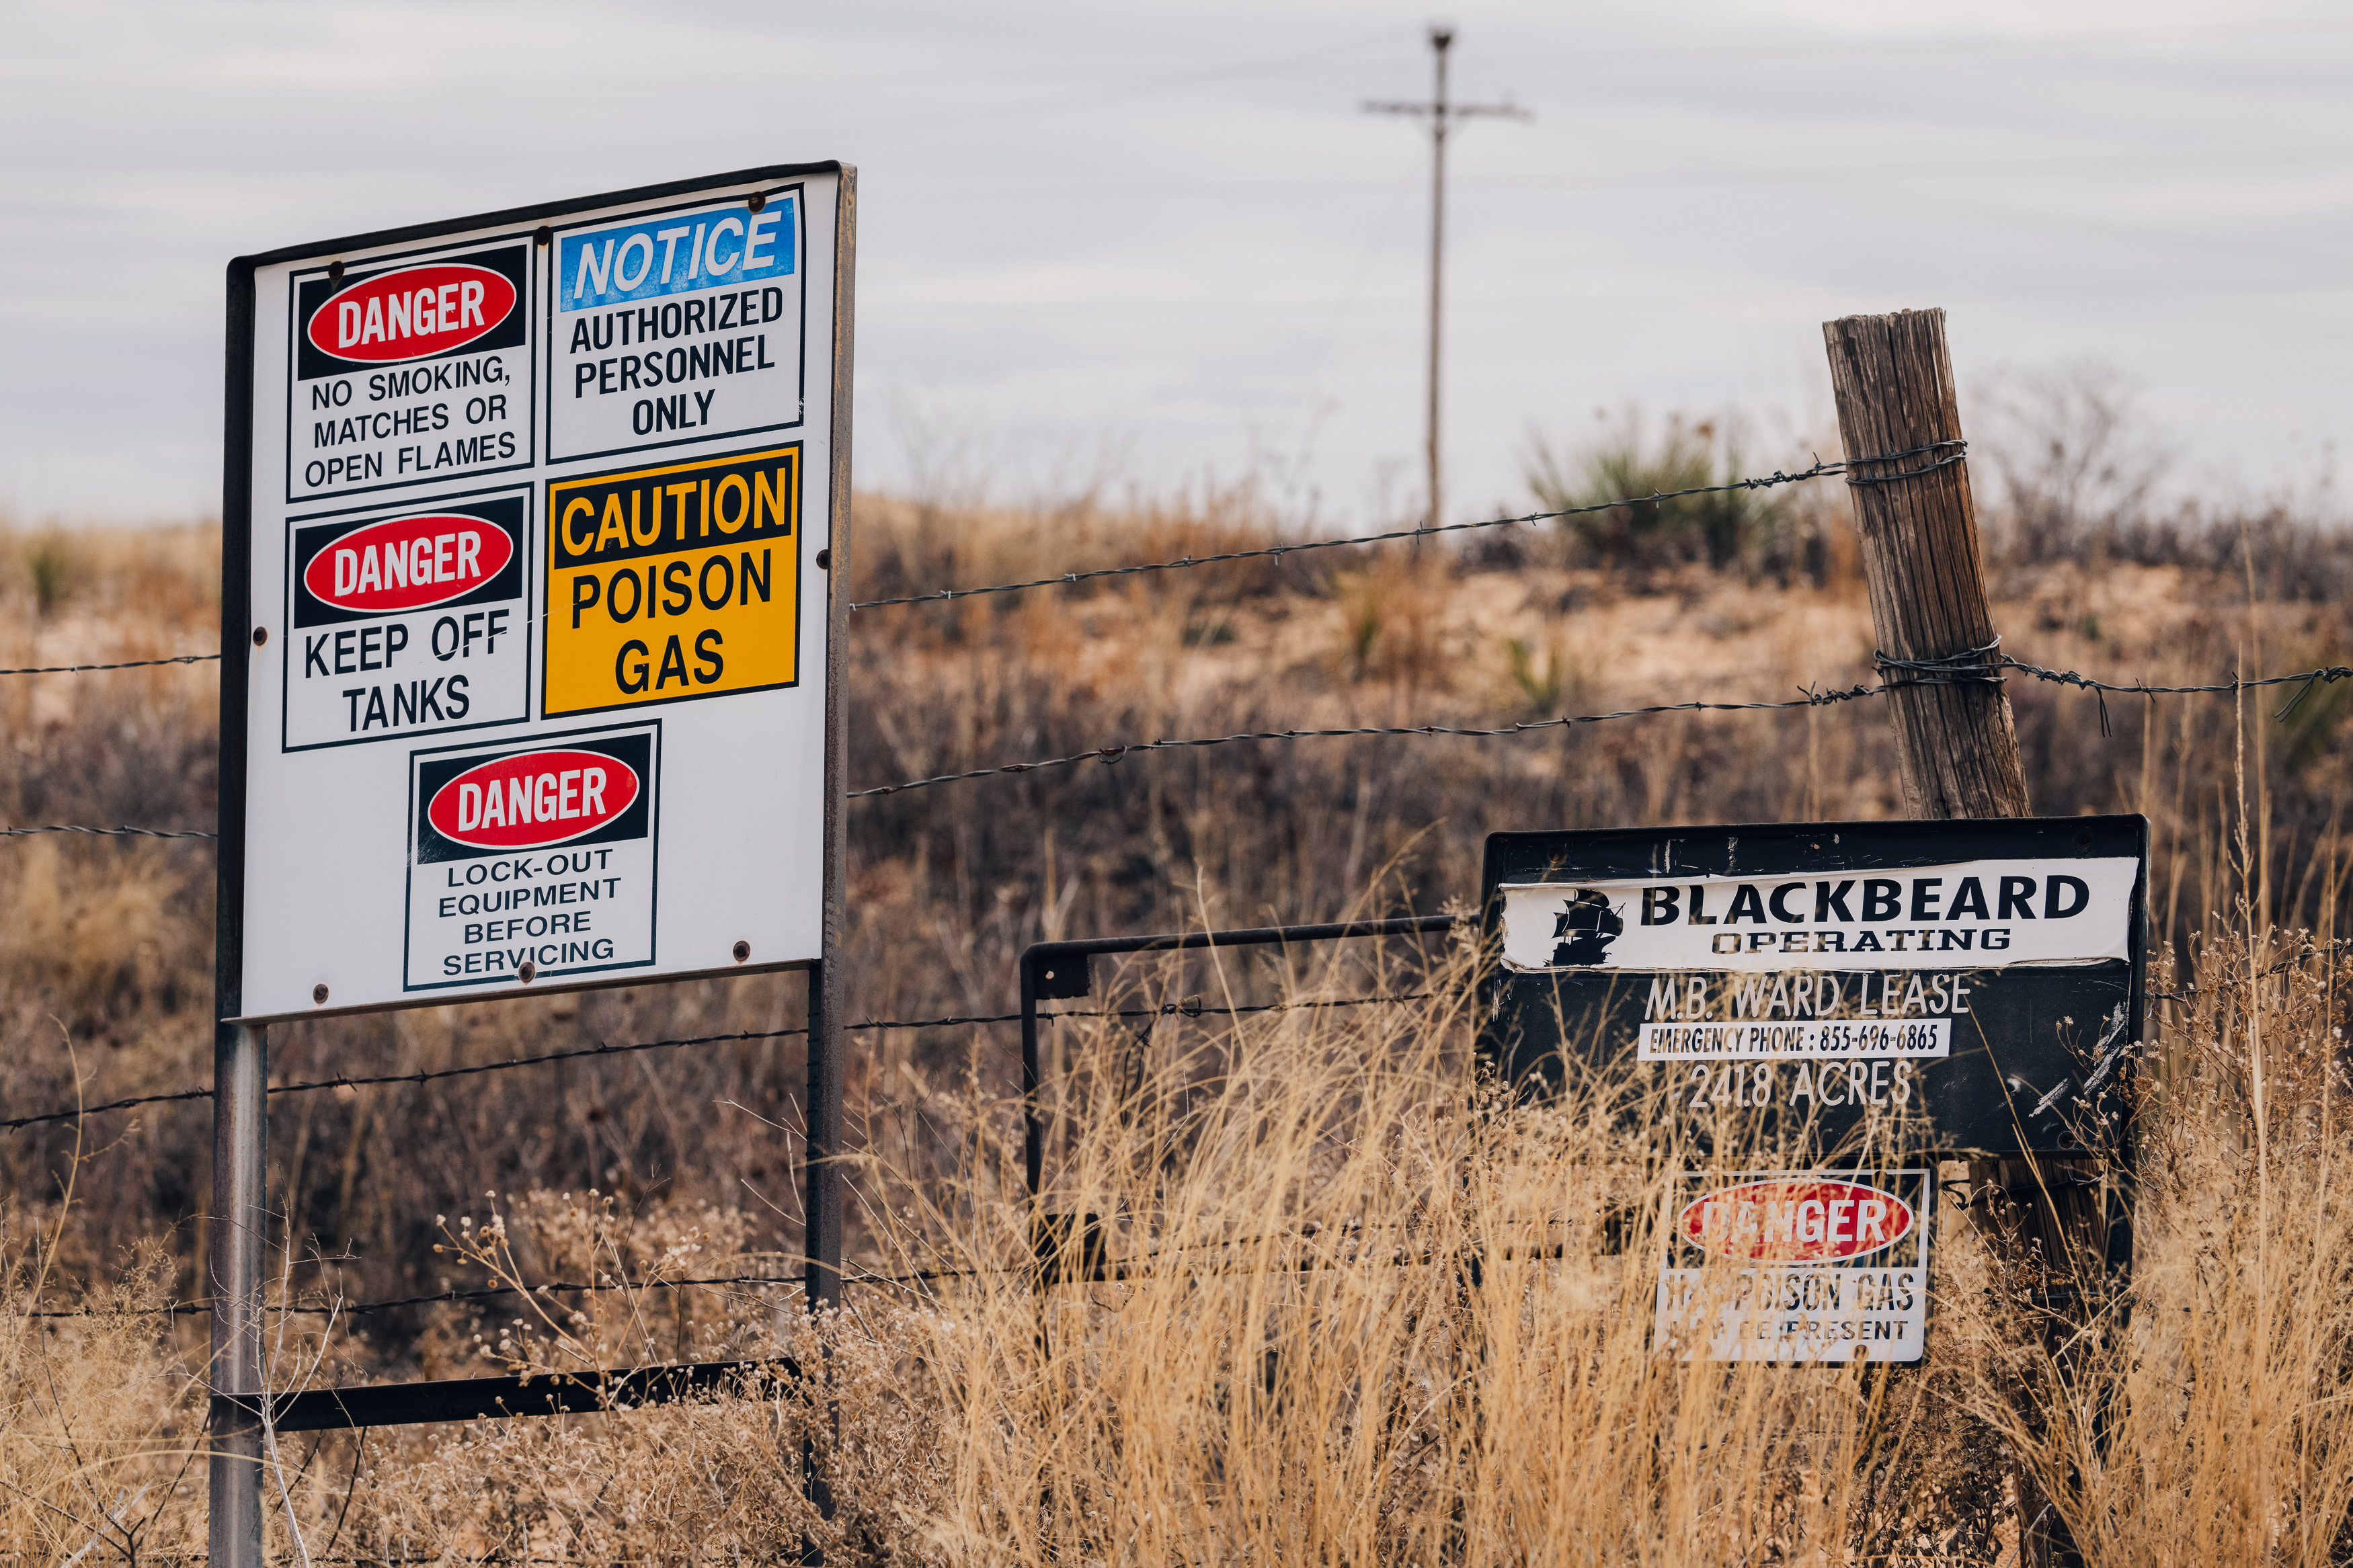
(1984, 977)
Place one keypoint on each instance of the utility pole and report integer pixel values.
(1440, 113)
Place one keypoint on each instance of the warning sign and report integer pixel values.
(1798, 1266)
(672, 582)
(532, 862)
(1976, 982)
(407, 622)
(409, 372)
(676, 326)
(477, 687)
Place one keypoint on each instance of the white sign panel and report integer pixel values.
(1928, 917)
(687, 321)
(406, 620)
(540, 508)
(407, 365)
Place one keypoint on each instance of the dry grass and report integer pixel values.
(1263, 1388)
(1299, 1363)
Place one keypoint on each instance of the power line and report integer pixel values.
(1441, 114)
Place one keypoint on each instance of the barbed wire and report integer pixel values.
(107, 832)
(421, 1077)
(125, 664)
(1955, 669)
(854, 1274)
(1967, 667)
(1101, 1271)
(1983, 666)
(1423, 530)
(2307, 678)
(1818, 469)
(1189, 1008)
(1112, 753)
(360, 1309)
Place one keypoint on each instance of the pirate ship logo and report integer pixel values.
(1584, 929)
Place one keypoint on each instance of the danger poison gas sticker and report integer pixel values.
(408, 621)
(1798, 1266)
(532, 861)
(407, 370)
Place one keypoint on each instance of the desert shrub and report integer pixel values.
(1726, 528)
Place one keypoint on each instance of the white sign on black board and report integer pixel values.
(1981, 977)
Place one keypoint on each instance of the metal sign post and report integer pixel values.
(530, 527)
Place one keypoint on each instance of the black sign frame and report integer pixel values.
(2006, 1092)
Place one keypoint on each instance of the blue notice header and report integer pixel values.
(724, 247)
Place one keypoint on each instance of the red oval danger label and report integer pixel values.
(534, 799)
(409, 563)
(416, 311)
(1795, 1221)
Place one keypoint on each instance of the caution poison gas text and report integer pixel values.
(671, 582)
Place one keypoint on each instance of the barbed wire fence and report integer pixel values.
(425, 1076)
(1985, 665)
(121, 663)
(1189, 1008)
(1973, 666)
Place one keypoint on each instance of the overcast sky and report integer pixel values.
(1157, 244)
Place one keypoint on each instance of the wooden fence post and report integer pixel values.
(1892, 380)
(1894, 384)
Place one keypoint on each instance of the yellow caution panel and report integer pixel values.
(671, 582)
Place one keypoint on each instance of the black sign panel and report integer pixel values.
(1985, 976)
